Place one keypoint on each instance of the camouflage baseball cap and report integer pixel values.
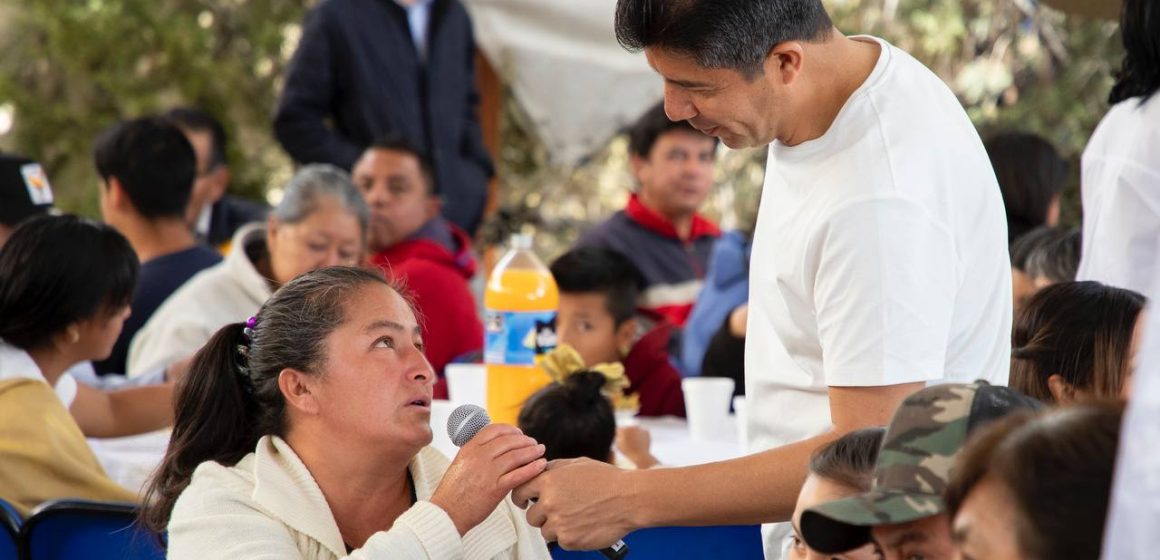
(919, 449)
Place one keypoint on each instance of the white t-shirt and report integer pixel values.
(880, 257)
(1120, 184)
(17, 364)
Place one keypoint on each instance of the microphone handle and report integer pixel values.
(615, 552)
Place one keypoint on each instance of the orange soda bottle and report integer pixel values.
(519, 302)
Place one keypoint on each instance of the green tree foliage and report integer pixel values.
(1013, 65)
(69, 68)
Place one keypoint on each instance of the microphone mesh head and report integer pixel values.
(466, 421)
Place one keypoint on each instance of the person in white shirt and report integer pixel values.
(65, 288)
(321, 221)
(1128, 142)
(879, 261)
(1120, 168)
(305, 432)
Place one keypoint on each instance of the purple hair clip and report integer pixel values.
(248, 330)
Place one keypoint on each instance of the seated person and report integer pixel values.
(598, 316)
(841, 468)
(321, 221)
(573, 416)
(726, 289)
(1037, 486)
(305, 433)
(422, 251)
(1031, 176)
(1023, 284)
(213, 214)
(903, 514)
(725, 355)
(1056, 259)
(147, 170)
(660, 230)
(1076, 340)
(24, 192)
(64, 295)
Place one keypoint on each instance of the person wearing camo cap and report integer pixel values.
(904, 514)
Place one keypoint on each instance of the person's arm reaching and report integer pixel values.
(123, 412)
(583, 504)
(307, 101)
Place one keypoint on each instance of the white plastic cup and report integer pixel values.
(707, 405)
(467, 383)
(742, 419)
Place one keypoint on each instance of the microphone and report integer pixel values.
(467, 420)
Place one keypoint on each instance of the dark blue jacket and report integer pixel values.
(726, 287)
(357, 66)
(673, 268)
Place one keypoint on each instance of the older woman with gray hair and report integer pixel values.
(321, 221)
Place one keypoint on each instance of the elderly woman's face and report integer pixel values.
(377, 384)
(985, 524)
(815, 491)
(328, 236)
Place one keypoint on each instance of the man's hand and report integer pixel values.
(579, 503)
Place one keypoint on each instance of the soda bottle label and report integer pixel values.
(516, 337)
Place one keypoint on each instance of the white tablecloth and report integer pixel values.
(130, 461)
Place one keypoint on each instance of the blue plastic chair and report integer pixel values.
(10, 522)
(68, 529)
(736, 542)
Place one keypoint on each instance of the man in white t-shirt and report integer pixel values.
(879, 260)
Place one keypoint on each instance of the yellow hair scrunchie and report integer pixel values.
(565, 360)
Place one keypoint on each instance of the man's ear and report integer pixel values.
(298, 388)
(434, 205)
(626, 336)
(115, 194)
(1062, 391)
(784, 62)
(639, 167)
(221, 183)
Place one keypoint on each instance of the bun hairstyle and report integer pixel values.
(572, 417)
(585, 388)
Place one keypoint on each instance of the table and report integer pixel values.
(130, 461)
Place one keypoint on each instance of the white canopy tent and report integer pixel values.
(562, 61)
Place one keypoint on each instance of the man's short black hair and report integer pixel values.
(398, 143)
(198, 120)
(651, 125)
(1056, 258)
(1025, 245)
(734, 34)
(153, 161)
(604, 271)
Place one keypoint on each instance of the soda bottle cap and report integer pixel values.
(522, 241)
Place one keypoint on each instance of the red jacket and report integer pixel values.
(650, 371)
(437, 282)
